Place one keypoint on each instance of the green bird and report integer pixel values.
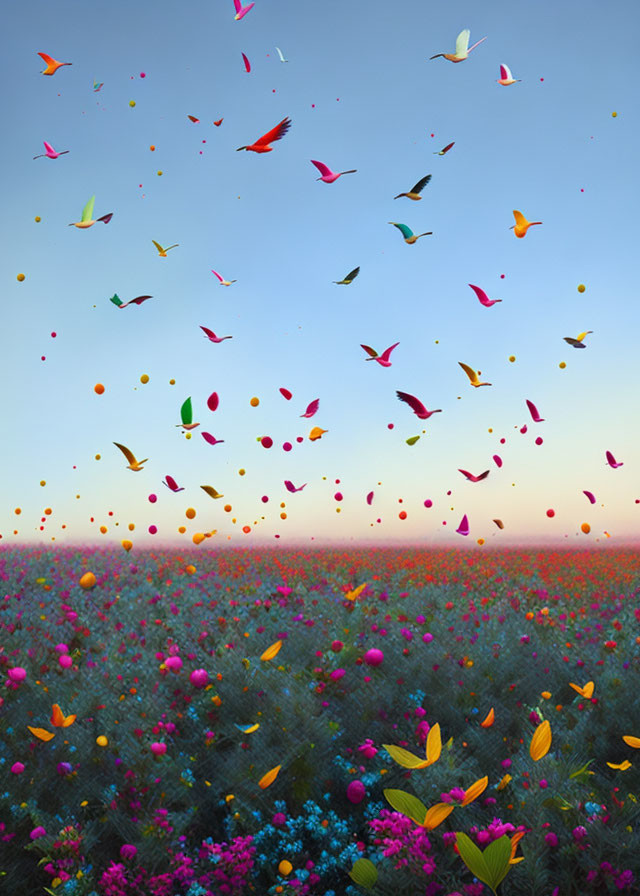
(349, 278)
(186, 414)
(408, 234)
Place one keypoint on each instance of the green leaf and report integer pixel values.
(583, 771)
(412, 440)
(87, 211)
(404, 757)
(364, 873)
(186, 412)
(496, 857)
(407, 804)
(473, 858)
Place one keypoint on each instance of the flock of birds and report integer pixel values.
(264, 144)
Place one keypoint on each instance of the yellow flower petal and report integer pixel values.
(489, 719)
(351, 595)
(632, 741)
(434, 744)
(404, 757)
(586, 691)
(41, 733)
(475, 790)
(272, 651)
(541, 741)
(503, 783)
(269, 778)
(622, 766)
(436, 815)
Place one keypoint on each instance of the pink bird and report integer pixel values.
(473, 478)
(534, 412)
(329, 176)
(383, 359)
(612, 461)
(50, 152)
(211, 336)
(463, 528)
(241, 10)
(291, 487)
(590, 496)
(223, 282)
(170, 482)
(483, 298)
(312, 407)
(211, 440)
(416, 406)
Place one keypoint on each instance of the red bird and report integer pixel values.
(473, 478)
(262, 144)
(416, 406)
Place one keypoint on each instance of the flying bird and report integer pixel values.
(282, 59)
(97, 86)
(499, 524)
(414, 192)
(408, 234)
(351, 276)
(474, 378)
(612, 461)
(506, 78)
(211, 336)
(462, 48)
(211, 440)
(210, 490)
(463, 528)
(291, 487)
(312, 408)
(327, 175)
(578, 341)
(134, 465)
(241, 10)
(444, 149)
(483, 298)
(218, 122)
(163, 252)
(383, 359)
(316, 433)
(87, 216)
(522, 225)
(186, 414)
(223, 282)
(50, 152)
(416, 406)
(262, 144)
(193, 119)
(473, 478)
(52, 64)
(120, 304)
(247, 64)
(535, 415)
(170, 482)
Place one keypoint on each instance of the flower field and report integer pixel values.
(319, 723)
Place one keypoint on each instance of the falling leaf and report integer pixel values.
(434, 744)
(586, 691)
(58, 718)
(404, 757)
(364, 873)
(269, 778)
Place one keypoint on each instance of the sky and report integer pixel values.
(361, 92)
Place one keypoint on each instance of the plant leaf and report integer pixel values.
(496, 857)
(472, 857)
(407, 804)
(404, 757)
(364, 873)
(434, 744)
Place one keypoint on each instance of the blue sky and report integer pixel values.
(361, 93)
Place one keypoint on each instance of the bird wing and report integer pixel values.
(447, 148)
(521, 221)
(533, 410)
(116, 299)
(322, 168)
(312, 407)
(290, 487)
(473, 376)
(387, 352)
(466, 473)
(482, 476)
(421, 184)
(208, 332)
(238, 5)
(105, 218)
(499, 524)
(186, 412)
(138, 300)
(210, 490)
(247, 64)
(481, 294)
(171, 483)
(370, 351)
(217, 275)
(126, 453)
(87, 211)
(48, 146)
(610, 458)
(210, 439)
(414, 403)
(505, 74)
(404, 230)
(158, 246)
(48, 59)
(275, 133)
(175, 246)
(352, 274)
(280, 54)
(581, 336)
(462, 42)
(193, 119)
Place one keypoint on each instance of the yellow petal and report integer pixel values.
(351, 595)
(622, 766)
(504, 782)
(515, 861)
(58, 718)
(632, 741)
(436, 815)
(586, 691)
(434, 744)
(272, 651)
(269, 778)
(541, 741)
(475, 790)
(41, 733)
(404, 757)
(517, 837)
(489, 719)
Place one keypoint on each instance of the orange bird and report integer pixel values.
(52, 64)
(262, 144)
(522, 225)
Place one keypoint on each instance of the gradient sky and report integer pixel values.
(361, 93)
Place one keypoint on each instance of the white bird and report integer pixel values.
(506, 77)
(282, 59)
(462, 48)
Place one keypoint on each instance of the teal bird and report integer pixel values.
(186, 414)
(408, 234)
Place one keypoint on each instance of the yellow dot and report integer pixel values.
(98, 456)
(562, 365)
(20, 278)
(187, 435)
(197, 538)
(131, 527)
(241, 471)
(283, 515)
(172, 382)
(17, 511)
(581, 287)
(103, 529)
(254, 401)
(285, 867)
(132, 103)
(144, 378)
(190, 569)
(512, 358)
(337, 510)
(190, 513)
(98, 389)
(101, 740)
(490, 429)
(37, 219)
(614, 114)
(159, 173)
(43, 482)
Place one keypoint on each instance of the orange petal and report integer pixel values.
(541, 741)
(351, 595)
(632, 741)
(475, 790)
(57, 716)
(272, 651)
(621, 766)
(269, 778)
(489, 719)
(436, 815)
(434, 744)
(41, 733)
(503, 783)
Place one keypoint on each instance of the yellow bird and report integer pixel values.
(578, 341)
(522, 225)
(134, 465)
(163, 252)
(474, 378)
(414, 192)
(210, 490)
